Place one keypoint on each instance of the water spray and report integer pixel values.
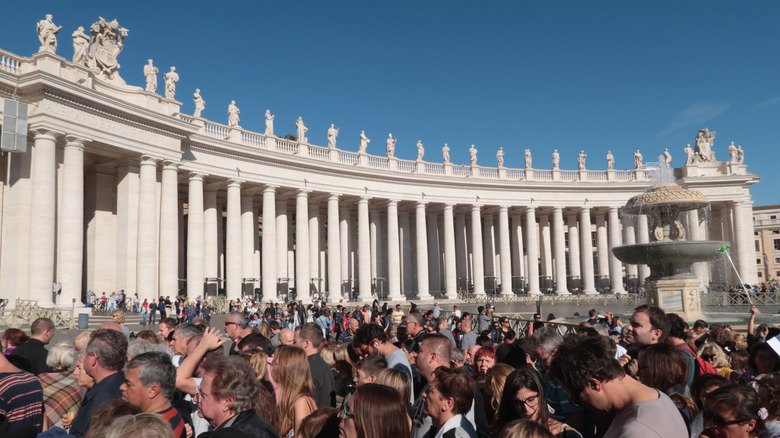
(725, 250)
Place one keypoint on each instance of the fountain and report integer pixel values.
(671, 284)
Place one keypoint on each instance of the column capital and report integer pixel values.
(235, 182)
(196, 176)
(270, 188)
(530, 208)
(449, 206)
(72, 140)
(333, 197)
(148, 160)
(364, 199)
(476, 207)
(171, 165)
(392, 203)
(44, 132)
(303, 193)
(421, 204)
(558, 210)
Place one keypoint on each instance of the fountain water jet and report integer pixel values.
(671, 284)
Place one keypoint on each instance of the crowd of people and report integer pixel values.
(392, 371)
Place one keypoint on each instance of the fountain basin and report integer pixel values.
(682, 252)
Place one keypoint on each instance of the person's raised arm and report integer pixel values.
(752, 320)
(212, 338)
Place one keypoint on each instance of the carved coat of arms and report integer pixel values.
(105, 45)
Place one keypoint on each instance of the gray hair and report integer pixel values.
(156, 368)
(110, 346)
(61, 356)
(456, 354)
(239, 319)
(137, 346)
(601, 329)
(188, 330)
(547, 338)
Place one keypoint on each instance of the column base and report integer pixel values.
(562, 292)
(590, 292)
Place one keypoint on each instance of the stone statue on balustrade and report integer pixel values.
(528, 160)
(105, 46)
(269, 123)
(47, 35)
(740, 155)
(301, 130)
(445, 153)
(732, 153)
(364, 141)
(171, 78)
(150, 71)
(704, 141)
(610, 160)
(420, 150)
(637, 160)
(80, 46)
(500, 157)
(667, 157)
(556, 159)
(581, 160)
(390, 145)
(473, 155)
(233, 113)
(333, 132)
(688, 154)
(200, 104)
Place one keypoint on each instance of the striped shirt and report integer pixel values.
(21, 398)
(61, 395)
(172, 416)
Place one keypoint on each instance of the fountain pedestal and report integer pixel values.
(677, 294)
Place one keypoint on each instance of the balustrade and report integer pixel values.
(319, 152)
(253, 139)
(216, 130)
(286, 146)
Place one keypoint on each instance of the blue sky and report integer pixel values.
(544, 75)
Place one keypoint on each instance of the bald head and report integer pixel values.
(112, 326)
(286, 337)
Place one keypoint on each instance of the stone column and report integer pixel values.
(406, 251)
(334, 249)
(196, 233)
(393, 253)
(233, 255)
(461, 250)
(616, 267)
(586, 258)
(574, 247)
(602, 245)
(488, 246)
(450, 259)
(531, 247)
(629, 238)
(344, 217)
(127, 224)
(516, 235)
(364, 251)
(281, 242)
(270, 292)
(71, 232)
(210, 233)
(314, 246)
(694, 233)
(642, 236)
(146, 274)
(43, 209)
(434, 255)
(559, 249)
(302, 277)
(421, 240)
(374, 227)
(248, 230)
(478, 259)
(256, 262)
(505, 250)
(169, 230)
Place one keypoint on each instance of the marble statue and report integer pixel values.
(105, 46)
(703, 151)
(200, 104)
(667, 157)
(47, 35)
(420, 150)
(233, 113)
(556, 159)
(688, 154)
(171, 78)
(269, 123)
(581, 159)
(445, 153)
(732, 153)
(527, 156)
(637, 160)
(150, 71)
(740, 155)
(364, 141)
(80, 46)
(301, 130)
(473, 155)
(500, 157)
(333, 132)
(610, 160)
(390, 145)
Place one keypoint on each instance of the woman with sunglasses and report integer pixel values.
(714, 354)
(523, 397)
(733, 411)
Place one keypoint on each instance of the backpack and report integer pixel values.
(702, 366)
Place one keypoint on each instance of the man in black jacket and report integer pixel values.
(33, 353)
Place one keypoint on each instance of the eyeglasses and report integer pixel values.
(365, 348)
(708, 357)
(718, 421)
(531, 402)
(228, 323)
(345, 413)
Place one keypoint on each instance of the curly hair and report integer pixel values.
(580, 358)
(233, 376)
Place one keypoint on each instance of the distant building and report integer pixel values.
(766, 225)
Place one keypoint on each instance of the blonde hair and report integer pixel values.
(343, 363)
(398, 380)
(81, 340)
(290, 369)
(258, 360)
(264, 329)
(526, 428)
(143, 425)
(328, 354)
(495, 382)
(721, 360)
(120, 316)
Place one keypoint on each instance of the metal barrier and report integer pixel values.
(605, 299)
(27, 311)
(727, 299)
